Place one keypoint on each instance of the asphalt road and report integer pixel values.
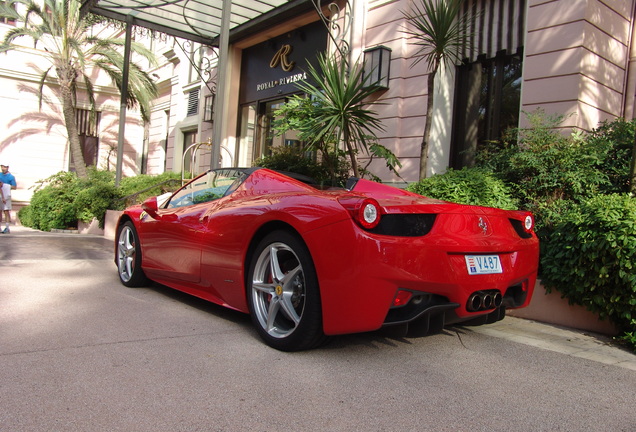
(80, 352)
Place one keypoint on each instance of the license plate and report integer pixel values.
(483, 264)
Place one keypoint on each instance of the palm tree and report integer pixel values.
(438, 29)
(338, 102)
(67, 40)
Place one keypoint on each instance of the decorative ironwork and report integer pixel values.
(208, 59)
(338, 25)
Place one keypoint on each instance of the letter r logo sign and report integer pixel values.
(281, 57)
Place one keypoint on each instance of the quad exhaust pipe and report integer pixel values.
(484, 300)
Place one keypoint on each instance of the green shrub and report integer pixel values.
(589, 254)
(467, 186)
(613, 142)
(297, 161)
(63, 199)
(138, 188)
(52, 202)
(542, 165)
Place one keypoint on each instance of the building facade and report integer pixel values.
(570, 57)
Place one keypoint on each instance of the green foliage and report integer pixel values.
(52, 204)
(439, 30)
(590, 256)
(613, 143)
(137, 189)
(576, 186)
(543, 164)
(467, 186)
(63, 199)
(296, 160)
(335, 110)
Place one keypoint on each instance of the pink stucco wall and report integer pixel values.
(576, 59)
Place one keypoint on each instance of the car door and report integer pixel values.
(172, 241)
(171, 247)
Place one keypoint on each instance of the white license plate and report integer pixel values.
(483, 264)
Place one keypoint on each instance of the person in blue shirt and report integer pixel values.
(8, 183)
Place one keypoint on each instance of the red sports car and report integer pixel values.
(307, 262)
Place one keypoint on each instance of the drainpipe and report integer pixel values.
(630, 71)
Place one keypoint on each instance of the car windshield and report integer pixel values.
(210, 186)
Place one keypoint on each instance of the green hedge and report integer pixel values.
(63, 199)
(298, 161)
(576, 186)
(472, 186)
(589, 256)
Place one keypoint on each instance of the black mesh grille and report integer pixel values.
(405, 225)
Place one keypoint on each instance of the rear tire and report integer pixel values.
(283, 293)
(129, 257)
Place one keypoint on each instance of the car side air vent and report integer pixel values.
(405, 225)
(518, 226)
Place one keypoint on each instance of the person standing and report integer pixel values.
(8, 183)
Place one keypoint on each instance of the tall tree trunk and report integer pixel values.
(66, 76)
(427, 125)
(352, 155)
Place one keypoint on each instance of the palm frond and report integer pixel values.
(438, 28)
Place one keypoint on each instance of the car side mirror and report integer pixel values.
(150, 206)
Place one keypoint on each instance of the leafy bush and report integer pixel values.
(543, 165)
(138, 188)
(62, 200)
(590, 255)
(295, 160)
(587, 231)
(613, 142)
(467, 186)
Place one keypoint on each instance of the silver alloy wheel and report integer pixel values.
(278, 290)
(126, 253)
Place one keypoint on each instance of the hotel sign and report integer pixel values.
(282, 58)
(274, 67)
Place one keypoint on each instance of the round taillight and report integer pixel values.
(369, 214)
(528, 223)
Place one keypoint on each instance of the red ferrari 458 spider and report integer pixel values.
(307, 262)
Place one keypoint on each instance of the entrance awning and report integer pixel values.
(196, 20)
(209, 22)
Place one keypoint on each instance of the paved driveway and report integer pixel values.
(80, 352)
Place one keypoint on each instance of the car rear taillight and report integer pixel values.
(524, 226)
(528, 223)
(366, 212)
(368, 216)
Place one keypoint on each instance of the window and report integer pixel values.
(208, 187)
(488, 96)
(189, 138)
(193, 103)
(195, 58)
(488, 83)
(88, 131)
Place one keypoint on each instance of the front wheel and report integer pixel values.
(129, 257)
(283, 293)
